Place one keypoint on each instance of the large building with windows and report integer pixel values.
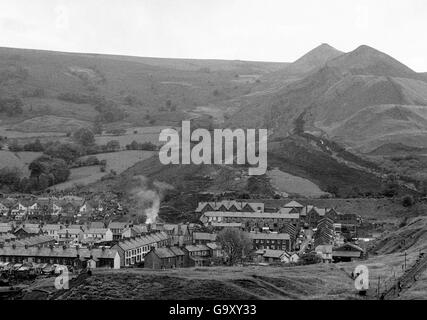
(132, 251)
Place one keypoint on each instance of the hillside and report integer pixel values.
(362, 99)
(337, 98)
(64, 84)
(365, 60)
(217, 283)
(312, 60)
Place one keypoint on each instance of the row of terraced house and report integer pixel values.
(69, 206)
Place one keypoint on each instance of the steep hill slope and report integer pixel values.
(368, 61)
(332, 97)
(314, 59)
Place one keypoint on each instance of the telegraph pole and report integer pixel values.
(378, 289)
(405, 260)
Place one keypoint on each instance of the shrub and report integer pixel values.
(408, 201)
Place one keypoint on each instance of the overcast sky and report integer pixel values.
(264, 30)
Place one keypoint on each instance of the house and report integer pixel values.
(324, 252)
(314, 216)
(117, 229)
(96, 225)
(52, 230)
(70, 236)
(77, 227)
(252, 221)
(199, 255)
(132, 251)
(216, 250)
(229, 206)
(19, 211)
(56, 209)
(104, 258)
(347, 253)
(24, 232)
(273, 256)
(165, 258)
(5, 228)
(85, 209)
(4, 210)
(294, 258)
(180, 234)
(33, 209)
(296, 206)
(217, 226)
(134, 231)
(203, 237)
(7, 238)
(325, 233)
(35, 241)
(272, 241)
(98, 235)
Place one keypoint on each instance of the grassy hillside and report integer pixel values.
(252, 283)
(139, 86)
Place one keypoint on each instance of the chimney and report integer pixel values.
(26, 246)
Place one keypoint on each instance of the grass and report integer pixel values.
(290, 184)
(144, 134)
(20, 160)
(117, 161)
(51, 124)
(219, 283)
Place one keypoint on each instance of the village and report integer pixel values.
(31, 246)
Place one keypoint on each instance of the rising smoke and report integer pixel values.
(147, 197)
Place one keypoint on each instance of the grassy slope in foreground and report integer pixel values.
(310, 282)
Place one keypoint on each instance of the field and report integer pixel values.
(117, 161)
(50, 124)
(143, 134)
(292, 185)
(19, 160)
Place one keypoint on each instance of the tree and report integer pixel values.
(10, 176)
(14, 146)
(66, 151)
(332, 189)
(84, 136)
(35, 146)
(113, 145)
(309, 258)
(235, 243)
(46, 165)
(97, 126)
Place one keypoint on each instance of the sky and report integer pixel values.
(258, 30)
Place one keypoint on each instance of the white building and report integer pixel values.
(98, 235)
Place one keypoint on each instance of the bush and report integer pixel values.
(408, 201)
